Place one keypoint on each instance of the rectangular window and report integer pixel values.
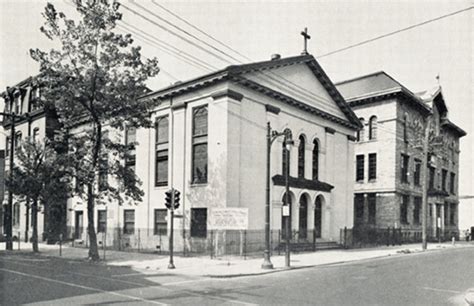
(452, 181)
(443, 179)
(128, 221)
(404, 209)
(130, 139)
(359, 167)
(372, 203)
(446, 214)
(199, 222)
(372, 166)
(161, 224)
(404, 168)
(452, 214)
(16, 215)
(417, 210)
(101, 221)
(359, 207)
(161, 150)
(199, 150)
(103, 172)
(8, 144)
(416, 174)
(432, 178)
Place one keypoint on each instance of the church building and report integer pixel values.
(210, 143)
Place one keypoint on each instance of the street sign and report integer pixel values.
(285, 210)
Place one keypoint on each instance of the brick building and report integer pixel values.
(37, 123)
(389, 153)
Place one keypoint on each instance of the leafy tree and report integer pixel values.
(94, 81)
(41, 175)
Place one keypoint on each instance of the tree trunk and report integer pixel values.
(34, 221)
(93, 249)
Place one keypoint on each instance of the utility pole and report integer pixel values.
(424, 221)
(171, 263)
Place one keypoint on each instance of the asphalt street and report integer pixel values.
(431, 278)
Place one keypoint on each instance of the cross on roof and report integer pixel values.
(305, 37)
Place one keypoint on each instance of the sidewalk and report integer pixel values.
(232, 266)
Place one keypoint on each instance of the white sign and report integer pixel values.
(229, 218)
(285, 210)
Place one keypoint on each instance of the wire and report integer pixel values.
(183, 31)
(199, 30)
(394, 32)
(169, 48)
(175, 34)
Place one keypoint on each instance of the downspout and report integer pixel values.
(149, 186)
(183, 199)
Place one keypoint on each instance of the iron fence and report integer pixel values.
(369, 236)
(212, 243)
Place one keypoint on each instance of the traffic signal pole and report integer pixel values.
(171, 264)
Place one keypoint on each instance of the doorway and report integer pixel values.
(303, 218)
(79, 224)
(318, 216)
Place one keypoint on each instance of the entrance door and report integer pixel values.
(303, 228)
(318, 213)
(79, 224)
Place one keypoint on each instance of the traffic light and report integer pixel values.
(176, 198)
(168, 195)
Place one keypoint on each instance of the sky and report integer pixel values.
(258, 29)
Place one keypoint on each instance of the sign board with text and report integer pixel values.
(229, 218)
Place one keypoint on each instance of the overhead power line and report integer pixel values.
(394, 32)
(181, 30)
(200, 31)
(176, 51)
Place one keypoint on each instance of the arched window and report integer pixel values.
(283, 154)
(360, 133)
(405, 127)
(373, 128)
(301, 148)
(315, 160)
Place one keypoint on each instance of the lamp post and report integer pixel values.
(271, 137)
(288, 144)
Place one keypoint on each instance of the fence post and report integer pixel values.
(345, 237)
(211, 243)
(138, 246)
(19, 238)
(60, 244)
(279, 241)
(271, 242)
(104, 240)
(245, 244)
(314, 239)
(400, 236)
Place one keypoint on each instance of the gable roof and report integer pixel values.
(375, 86)
(237, 73)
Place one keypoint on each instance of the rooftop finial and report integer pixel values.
(306, 37)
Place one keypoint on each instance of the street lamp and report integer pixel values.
(271, 137)
(288, 144)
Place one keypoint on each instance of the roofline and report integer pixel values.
(360, 77)
(451, 125)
